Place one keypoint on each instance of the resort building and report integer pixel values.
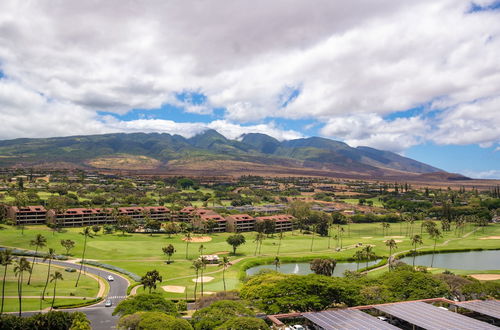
(238, 223)
(78, 217)
(185, 215)
(284, 222)
(27, 215)
(202, 219)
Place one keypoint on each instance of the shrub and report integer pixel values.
(247, 323)
(133, 276)
(218, 313)
(148, 302)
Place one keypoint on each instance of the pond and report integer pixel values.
(302, 268)
(473, 260)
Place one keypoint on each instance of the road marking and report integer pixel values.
(117, 297)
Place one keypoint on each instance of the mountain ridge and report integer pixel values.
(163, 151)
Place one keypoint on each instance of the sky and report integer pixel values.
(420, 78)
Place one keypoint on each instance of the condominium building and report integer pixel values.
(27, 215)
(284, 222)
(238, 223)
(185, 214)
(78, 217)
(202, 217)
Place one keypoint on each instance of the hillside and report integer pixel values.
(208, 153)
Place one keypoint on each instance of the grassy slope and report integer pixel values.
(139, 253)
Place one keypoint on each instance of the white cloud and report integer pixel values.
(372, 130)
(355, 62)
(491, 174)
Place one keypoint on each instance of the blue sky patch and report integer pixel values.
(474, 7)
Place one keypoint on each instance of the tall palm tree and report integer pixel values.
(187, 238)
(203, 266)
(313, 231)
(22, 265)
(359, 255)
(39, 242)
(368, 254)
(435, 235)
(276, 263)
(6, 259)
(258, 240)
(86, 232)
(49, 256)
(197, 264)
(391, 244)
(225, 264)
(279, 243)
(416, 239)
(53, 278)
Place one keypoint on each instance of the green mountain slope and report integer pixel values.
(160, 150)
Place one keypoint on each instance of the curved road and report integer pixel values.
(100, 316)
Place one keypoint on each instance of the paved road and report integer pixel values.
(100, 316)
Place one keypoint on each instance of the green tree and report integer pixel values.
(152, 225)
(224, 263)
(276, 263)
(258, 242)
(86, 234)
(144, 302)
(245, 322)
(169, 251)
(53, 278)
(6, 259)
(435, 234)
(96, 229)
(218, 313)
(22, 265)
(197, 265)
(358, 256)
(416, 240)
(80, 322)
(235, 241)
(49, 256)
(68, 245)
(368, 254)
(171, 229)
(39, 242)
(125, 224)
(323, 266)
(160, 321)
(391, 244)
(149, 280)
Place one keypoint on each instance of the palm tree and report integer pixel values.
(39, 242)
(279, 243)
(197, 264)
(258, 240)
(86, 233)
(49, 256)
(53, 278)
(149, 280)
(5, 260)
(225, 264)
(276, 263)
(368, 254)
(22, 265)
(203, 266)
(313, 231)
(416, 239)
(359, 255)
(391, 244)
(187, 238)
(435, 235)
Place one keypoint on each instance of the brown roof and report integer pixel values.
(34, 208)
(277, 218)
(240, 217)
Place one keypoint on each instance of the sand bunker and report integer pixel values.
(222, 252)
(203, 279)
(490, 237)
(174, 288)
(486, 277)
(395, 237)
(367, 237)
(200, 239)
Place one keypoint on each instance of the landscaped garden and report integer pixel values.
(139, 253)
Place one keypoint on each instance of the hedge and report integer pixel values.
(81, 304)
(133, 276)
(29, 253)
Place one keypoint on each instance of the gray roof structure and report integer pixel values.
(485, 307)
(431, 317)
(347, 319)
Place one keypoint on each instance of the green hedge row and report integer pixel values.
(82, 304)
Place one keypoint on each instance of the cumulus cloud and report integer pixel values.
(373, 130)
(490, 174)
(354, 62)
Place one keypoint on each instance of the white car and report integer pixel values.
(108, 303)
(110, 278)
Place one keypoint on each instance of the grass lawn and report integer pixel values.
(355, 201)
(140, 253)
(31, 304)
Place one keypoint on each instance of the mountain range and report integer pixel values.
(208, 153)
